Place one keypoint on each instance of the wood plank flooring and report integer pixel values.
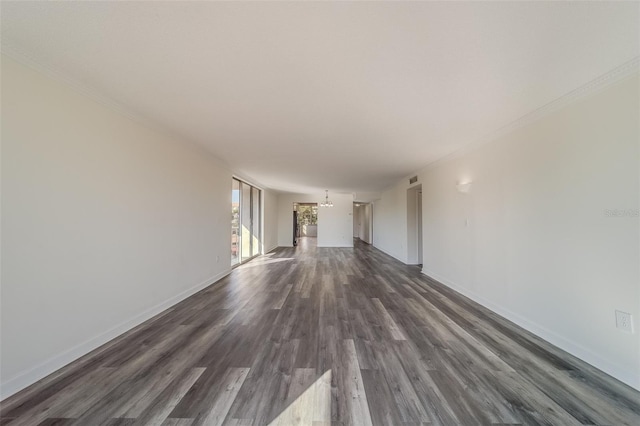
(326, 336)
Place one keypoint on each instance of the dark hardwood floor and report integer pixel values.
(326, 336)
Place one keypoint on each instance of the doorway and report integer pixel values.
(363, 222)
(305, 221)
(414, 225)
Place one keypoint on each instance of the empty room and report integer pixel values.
(319, 213)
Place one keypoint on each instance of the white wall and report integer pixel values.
(270, 220)
(334, 223)
(539, 247)
(390, 222)
(104, 223)
(367, 229)
(362, 222)
(413, 226)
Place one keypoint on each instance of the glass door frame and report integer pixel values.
(253, 237)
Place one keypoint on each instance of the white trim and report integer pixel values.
(236, 176)
(29, 377)
(271, 249)
(555, 339)
(390, 254)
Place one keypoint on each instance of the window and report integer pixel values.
(245, 222)
(235, 222)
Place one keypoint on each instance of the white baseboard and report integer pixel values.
(390, 254)
(555, 339)
(32, 375)
(271, 249)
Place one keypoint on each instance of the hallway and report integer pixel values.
(325, 336)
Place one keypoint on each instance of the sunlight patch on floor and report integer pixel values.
(312, 407)
(260, 262)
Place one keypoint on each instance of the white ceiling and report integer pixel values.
(307, 96)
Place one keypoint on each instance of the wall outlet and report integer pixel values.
(624, 321)
(217, 259)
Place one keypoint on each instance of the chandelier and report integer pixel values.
(326, 202)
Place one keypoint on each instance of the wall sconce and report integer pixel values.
(464, 188)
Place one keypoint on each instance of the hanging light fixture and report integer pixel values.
(326, 202)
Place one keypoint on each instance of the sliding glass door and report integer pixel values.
(235, 222)
(245, 221)
(255, 220)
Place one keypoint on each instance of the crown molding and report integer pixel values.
(596, 85)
